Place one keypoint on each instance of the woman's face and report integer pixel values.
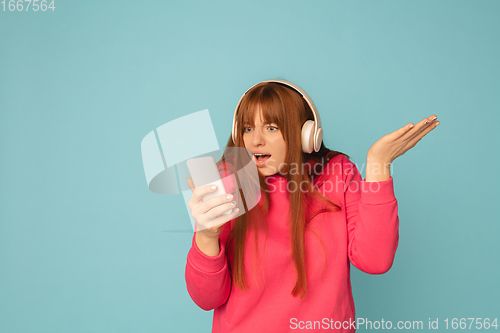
(265, 139)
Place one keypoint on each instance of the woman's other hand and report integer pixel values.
(209, 214)
(395, 144)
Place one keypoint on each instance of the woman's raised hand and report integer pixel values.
(395, 144)
(208, 214)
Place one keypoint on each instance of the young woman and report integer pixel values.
(284, 265)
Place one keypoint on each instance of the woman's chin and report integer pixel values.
(266, 171)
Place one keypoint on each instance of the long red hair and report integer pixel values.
(286, 108)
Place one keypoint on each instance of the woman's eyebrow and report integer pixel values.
(246, 124)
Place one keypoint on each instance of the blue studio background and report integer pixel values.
(86, 247)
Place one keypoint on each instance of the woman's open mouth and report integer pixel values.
(260, 159)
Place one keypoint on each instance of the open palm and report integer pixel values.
(395, 144)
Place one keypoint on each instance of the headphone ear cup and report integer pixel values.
(318, 139)
(308, 136)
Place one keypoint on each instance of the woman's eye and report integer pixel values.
(271, 128)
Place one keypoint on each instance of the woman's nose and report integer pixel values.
(257, 138)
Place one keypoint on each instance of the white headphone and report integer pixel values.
(312, 133)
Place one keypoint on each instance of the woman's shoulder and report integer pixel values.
(320, 170)
(337, 163)
(336, 158)
(336, 167)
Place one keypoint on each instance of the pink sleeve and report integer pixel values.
(372, 221)
(207, 278)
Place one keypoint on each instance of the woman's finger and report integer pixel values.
(413, 141)
(199, 192)
(218, 210)
(400, 132)
(425, 130)
(221, 220)
(209, 204)
(422, 125)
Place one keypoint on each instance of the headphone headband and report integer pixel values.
(317, 131)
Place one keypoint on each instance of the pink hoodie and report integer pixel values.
(364, 232)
